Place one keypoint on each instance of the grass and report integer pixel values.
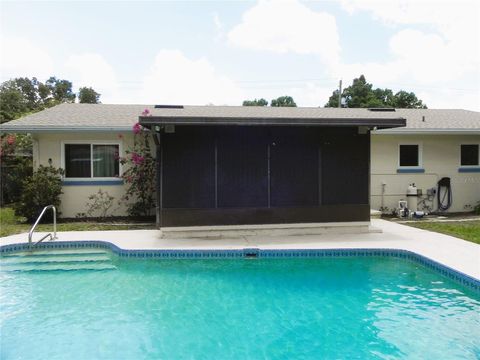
(11, 224)
(466, 230)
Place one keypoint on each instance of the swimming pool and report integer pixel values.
(112, 307)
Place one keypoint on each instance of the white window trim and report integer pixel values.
(420, 155)
(91, 142)
(460, 155)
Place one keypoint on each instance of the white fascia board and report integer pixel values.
(427, 132)
(62, 129)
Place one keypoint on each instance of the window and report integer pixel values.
(409, 155)
(91, 160)
(469, 155)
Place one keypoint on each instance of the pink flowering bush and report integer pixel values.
(137, 129)
(139, 174)
(7, 146)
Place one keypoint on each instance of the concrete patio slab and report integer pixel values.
(455, 253)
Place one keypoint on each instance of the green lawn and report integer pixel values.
(467, 230)
(11, 224)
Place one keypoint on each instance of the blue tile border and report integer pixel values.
(444, 270)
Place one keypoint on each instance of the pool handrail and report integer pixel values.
(30, 233)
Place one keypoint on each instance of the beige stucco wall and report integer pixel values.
(440, 158)
(75, 198)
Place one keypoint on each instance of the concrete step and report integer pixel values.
(233, 231)
(55, 259)
(57, 267)
(54, 252)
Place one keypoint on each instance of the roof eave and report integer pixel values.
(258, 121)
(62, 129)
(406, 131)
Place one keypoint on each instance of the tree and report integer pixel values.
(21, 96)
(362, 95)
(12, 103)
(86, 95)
(256, 102)
(408, 100)
(283, 101)
(61, 90)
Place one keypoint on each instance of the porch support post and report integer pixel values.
(158, 178)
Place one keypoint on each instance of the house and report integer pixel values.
(244, 165)
(435, 144)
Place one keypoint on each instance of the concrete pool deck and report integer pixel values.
(455, 253)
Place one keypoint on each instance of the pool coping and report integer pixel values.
(254, 252)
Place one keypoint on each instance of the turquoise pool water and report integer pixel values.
(336, 308)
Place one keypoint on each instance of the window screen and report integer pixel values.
(469, 155)
(77, 160)
(409, 155)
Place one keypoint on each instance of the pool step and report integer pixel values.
(57, 267)
(53, 252)
(57, 260)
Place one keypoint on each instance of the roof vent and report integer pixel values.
(168, 106)
(382, 109)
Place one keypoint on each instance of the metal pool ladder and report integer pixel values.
(30, 233)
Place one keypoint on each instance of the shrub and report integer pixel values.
(99, 204)
(15, 165)
(476, 209)
(43, 188)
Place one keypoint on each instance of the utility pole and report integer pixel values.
(340, 94)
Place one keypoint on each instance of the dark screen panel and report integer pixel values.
(242, 167)
(345, 167)
(294, 167)
(189, 168)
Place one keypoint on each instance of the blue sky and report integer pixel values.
(222, 52)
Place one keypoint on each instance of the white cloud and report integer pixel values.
(217, 22)
(174, 78)
(92, 70)
(312, 94)
(456, 22)
(437, 46)
(422, 58)
(23, 58)
(287, 26)
(219, 27)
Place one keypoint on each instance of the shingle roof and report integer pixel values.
(109, 117)
(437, 121)
(259, 115)
(77, 117)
